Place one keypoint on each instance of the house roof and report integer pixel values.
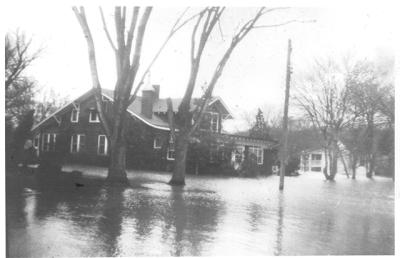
(157, 120)
(160, 106)
(135, 110)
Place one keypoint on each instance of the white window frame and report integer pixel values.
(46, 142)
(212, 116)
(155, 145)
(78, 143)
(315, 162)
(259, 152)
(239, 149)
(97, 118)
(170, 149)
(105, 153)
(37, 137)
(36, 146)
(77, 115)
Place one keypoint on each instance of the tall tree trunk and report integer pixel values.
(343, 162)
(354, 166)
(333, 165)
(117, 168)
(325, 169)
(371, 146)
(181, 147)
(333, 160)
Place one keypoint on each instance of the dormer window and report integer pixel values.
(75, 115)
(93, 116)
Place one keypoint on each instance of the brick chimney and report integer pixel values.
(156, 91)
(148, 98)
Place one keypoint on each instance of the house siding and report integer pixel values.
(141, 153)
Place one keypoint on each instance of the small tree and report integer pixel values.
(260, 128)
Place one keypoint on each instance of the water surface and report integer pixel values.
(209, 216)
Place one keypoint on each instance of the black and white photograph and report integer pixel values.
(199, 128)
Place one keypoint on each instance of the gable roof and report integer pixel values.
(160, 106)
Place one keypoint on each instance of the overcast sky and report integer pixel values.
(254, 76)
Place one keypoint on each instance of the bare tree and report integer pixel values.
(207, 22)
(47, 104)
(127, 50)
(325, 100)
(19, 88)
(386, 103)
(365, 92)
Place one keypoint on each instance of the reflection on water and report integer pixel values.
(279, 228)
(209, 216)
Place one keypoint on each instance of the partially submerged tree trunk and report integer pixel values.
(127, 51)
(354, 161)
(201, 32)
(117, 168)
(333, 164)
(370, 145)
(178, 175)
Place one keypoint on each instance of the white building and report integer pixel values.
(314, 160)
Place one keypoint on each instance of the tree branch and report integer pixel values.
(137, 52)
(80, 15)
(174, 29)
(284, 23)
(106, 30)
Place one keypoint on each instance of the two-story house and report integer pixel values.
(75, 129)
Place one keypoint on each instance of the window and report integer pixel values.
(77, 143)
(210, 122)
(93, 116)
(75, 115)
(106, 105)
(222, 153)
(258, 152)
(316, 156)
(171, 149)
(213, 153)
(157, 143)
(102, 145)
(49, 142)
(237, 155)
(214, 122)
(316, 159)
(36, 142)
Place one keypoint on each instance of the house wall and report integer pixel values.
(139, 134)
(141, 153)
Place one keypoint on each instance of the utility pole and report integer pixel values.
(285, 119)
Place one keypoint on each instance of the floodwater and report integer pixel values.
(209, 216)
